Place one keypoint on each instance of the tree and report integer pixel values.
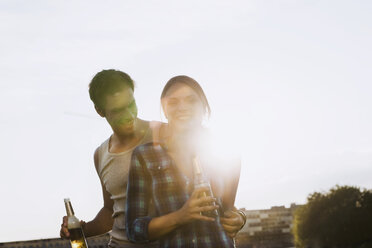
(341, 217)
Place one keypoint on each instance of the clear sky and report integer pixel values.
(288, 81)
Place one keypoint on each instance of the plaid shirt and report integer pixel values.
(153, 175)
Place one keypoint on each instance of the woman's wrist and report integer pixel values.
(179, 217)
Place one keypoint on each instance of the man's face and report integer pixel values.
(121, 111)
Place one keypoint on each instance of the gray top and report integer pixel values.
(113, 169)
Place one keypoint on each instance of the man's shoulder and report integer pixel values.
(98, 153)
(103, 145)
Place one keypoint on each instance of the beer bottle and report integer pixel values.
(77, 238)
(201, 181)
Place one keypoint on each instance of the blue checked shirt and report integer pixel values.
(153, 175)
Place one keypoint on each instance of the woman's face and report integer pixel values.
(183, 107)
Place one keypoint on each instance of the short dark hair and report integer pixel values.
(108, 82)
(193, 84)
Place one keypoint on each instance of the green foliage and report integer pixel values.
(341, 217)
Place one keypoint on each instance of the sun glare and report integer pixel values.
(224, 143)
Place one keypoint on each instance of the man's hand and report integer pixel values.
(64, 233)
(232, 222)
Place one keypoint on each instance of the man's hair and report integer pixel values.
(108, 82)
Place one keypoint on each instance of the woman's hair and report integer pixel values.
(108, 82)
(193, 85)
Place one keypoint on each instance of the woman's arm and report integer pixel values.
(142, 228)
(162, 225)
(138, 197)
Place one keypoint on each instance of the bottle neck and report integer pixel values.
(196, 166)
(197, 171)
(69, 209)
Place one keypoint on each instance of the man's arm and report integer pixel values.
(103, 221)
(233, 221)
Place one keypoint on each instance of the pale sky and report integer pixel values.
(288, 81)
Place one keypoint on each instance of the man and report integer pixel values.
(112, 94)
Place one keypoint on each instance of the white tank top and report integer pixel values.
(113, 169)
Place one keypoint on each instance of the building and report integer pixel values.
(268, 228)
(94, 242)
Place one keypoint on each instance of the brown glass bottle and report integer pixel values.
(77, 237)
(201, 181)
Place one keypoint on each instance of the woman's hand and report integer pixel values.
(160, 226)
(194, 205)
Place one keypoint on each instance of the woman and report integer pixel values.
(163, 173)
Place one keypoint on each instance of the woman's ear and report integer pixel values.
(99, 111)
(164, 108)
